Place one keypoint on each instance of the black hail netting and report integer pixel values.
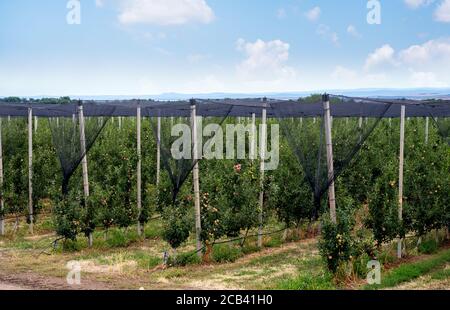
(66, 139)
(177, 154)
(306, 137)
(442, 123)
(239, 108)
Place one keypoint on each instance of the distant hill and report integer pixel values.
(415, 93)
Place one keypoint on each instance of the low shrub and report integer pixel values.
(249, 248)
(224, 253)
(335, 245)
(184, 259)
(308, 283)
(428, 247)
(386, 256)
(359, 265)
(273, 241)
(69, 245)
(117, 238)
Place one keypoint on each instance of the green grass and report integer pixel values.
(441, 274)
(225, 253)
(184, 259)
(306, 282)
(144, 260)
(428, 247)
(153, 229)
(411, 271)
(273, 241)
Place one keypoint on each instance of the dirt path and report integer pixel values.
(244, 273)
(9, 287)
(32, 281)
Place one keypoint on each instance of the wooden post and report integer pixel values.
(158, 151)
(35, 124)
(120, 122)
(2, 205)
(262, 150)
(30, 167)
(139, 167)
(84, 163)
(196, 172)
(400, 177)
(427, 129)
(360, 123)
(330, 162)
(253, 143)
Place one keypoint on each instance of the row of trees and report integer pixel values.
(230, 189)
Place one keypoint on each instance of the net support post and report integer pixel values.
(253, 142)
(158, 150)
(2, 204)
(360, 124)
(84, 163)
(139, 167)
(262, 149)
(196, 177)
(400, 176)
(427, 129)
(30, 167)
(330, 161)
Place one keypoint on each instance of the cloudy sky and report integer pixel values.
(137, 47)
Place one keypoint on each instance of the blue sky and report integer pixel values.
(137, 47)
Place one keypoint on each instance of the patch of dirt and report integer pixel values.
(39, 237)
(234, 275)
(424, 283)
(9, 287)
(90, 266)
(122, 272)
(356, 283)
(31, 281)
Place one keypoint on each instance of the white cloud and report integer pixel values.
(325, 32)
(196, 58)
(381, 56)
(313, 14)
(422, 65)
(414, 4)
(442, 13)
(343, 73)
(431, 52)
(163, 51)
(281, 13)
(335, 38)
(264, 60)
(165, 12)
(99, 3)
(351, 30)
(425, 79)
